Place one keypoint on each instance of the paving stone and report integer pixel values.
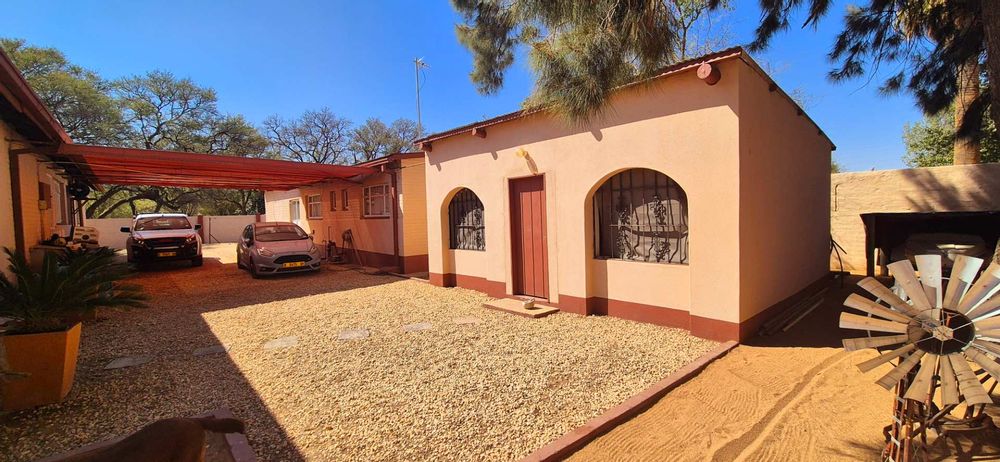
(211, 350)
(468, 320)
(129, 361)
(282, 342)
(353, 334)
(417, 327)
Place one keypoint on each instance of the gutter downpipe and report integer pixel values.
(395, 219)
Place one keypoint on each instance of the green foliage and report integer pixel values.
(375, 139)
(835, 166)
(580, 51)
(76, 96)
(62, 291)
(930, 142)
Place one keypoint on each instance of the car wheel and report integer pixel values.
(253, 270)
(239, 263)
(197, 261)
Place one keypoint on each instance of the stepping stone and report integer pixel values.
(282, 342)
(129, 361)
(467, 320)
(211, 350)
(417, 327)
(353, 334)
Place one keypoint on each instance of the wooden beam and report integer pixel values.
(479, 132)
(709, 73)
(426, 146)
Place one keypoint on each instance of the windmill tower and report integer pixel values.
(943, 340)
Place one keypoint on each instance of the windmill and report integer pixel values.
(942, 334)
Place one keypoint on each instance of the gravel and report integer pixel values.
(493, 390)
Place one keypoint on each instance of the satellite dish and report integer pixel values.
(78, 189)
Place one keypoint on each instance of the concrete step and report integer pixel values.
(516, 306)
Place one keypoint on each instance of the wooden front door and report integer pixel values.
(528, 243)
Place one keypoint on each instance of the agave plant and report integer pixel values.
(65, 289)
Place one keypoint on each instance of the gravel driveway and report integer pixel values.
(474, 384)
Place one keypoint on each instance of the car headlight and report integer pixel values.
(313, 249)
(191, 239)
(264, 252)
(138, 241)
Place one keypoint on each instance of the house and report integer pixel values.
(33, 195)
(384, 211)
(699, 199)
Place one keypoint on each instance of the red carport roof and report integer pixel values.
(110, 165)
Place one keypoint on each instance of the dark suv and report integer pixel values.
(162, 237)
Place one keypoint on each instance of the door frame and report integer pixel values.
(515, 267)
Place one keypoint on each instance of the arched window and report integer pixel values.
(642, 215)
(465, 221)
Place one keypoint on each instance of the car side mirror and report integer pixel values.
(197, 227)
(126, 229)
(247, 241)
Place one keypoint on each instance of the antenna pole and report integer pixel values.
(417, 64)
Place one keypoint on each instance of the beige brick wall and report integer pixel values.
(936, 189)
(6, 201)
(413, 205)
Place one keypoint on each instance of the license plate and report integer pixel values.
(166, 254)
(293, 264)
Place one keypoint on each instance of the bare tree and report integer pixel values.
(317, 136)
(375, 139)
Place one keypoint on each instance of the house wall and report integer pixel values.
(784, 216)
(936, 189)
(678, 126)
(373, 236)
(6, 197)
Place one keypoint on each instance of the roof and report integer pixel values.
(390, 158)
(125, 166)
(673, 69)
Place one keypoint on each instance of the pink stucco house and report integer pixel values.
(699, 199)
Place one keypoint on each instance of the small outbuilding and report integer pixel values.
(698, 199)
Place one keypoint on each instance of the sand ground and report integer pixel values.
(796, 396)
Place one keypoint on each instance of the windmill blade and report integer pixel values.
(991, 347)
(930, 278)
(983, 286)
(962, 274)
(859, 302)
(991, 333)
(882, 359)
(989, 307)
(987, 324)
(896, 374)
(949, 383)
(907, 279)
(855, 344)
(883, 293)
(920, 388)
(968, 383)
(985, 362)
(854, 321)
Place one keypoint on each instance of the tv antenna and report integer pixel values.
(418, 64)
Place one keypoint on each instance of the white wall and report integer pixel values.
(216, 228)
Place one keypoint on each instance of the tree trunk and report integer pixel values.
(990, 16)
(966, 148)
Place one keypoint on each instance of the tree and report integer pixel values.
(316, 136)
(375, 139)
(930, 143)
(937, 44)
(580, 51)
(77, 97)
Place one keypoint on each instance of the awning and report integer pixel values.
(125, 166)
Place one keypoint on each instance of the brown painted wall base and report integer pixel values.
(712, 329)
(406, 264)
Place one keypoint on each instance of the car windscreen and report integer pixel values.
(158, 223)
(279, 233)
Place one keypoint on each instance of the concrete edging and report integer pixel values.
(577, 438)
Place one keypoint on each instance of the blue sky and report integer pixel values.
(266, 57)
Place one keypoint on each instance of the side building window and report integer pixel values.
(465, 221)
(377, 201)
(641, 215)
(333, 201)
(314, 206)
(293, 210)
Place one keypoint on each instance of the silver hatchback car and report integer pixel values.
(276, 247)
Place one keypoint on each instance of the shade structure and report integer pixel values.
(126, 166)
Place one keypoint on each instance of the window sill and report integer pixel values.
(376, 217)
(657, 263)
(468, 250)
(314, 218)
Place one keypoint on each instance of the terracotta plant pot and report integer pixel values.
(50, 360)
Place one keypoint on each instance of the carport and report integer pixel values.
(111, 165)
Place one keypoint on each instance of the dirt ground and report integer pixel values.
(793, 396)
(437, 376)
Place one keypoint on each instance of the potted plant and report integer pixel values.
(44, 309)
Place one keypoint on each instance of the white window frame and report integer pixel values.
(294, 210)
(314, 206)
(374, 196)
